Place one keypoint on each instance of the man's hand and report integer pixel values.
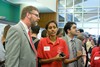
(59, 58)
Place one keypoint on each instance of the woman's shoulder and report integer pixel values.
(43, 39)
(61, 39)
(96, 47)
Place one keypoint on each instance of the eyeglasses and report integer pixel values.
(35, 14)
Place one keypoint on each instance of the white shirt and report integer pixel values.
(26, 28)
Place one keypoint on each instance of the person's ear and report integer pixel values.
(68, 30)
(28, 15)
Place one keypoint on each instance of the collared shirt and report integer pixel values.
(70, 47)
(69, 39)
(25, 26)
(46, 50)
(78, 45)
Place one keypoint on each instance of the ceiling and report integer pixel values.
(44, 6)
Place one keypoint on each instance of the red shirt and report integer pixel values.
(95, 49)
(95, 60)
(47, 50)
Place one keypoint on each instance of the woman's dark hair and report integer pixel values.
(46, 27)
(6, 28)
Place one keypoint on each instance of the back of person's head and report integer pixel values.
(98, 44)
(60, 32)
(85, 35)
(80, 30)
(44, 33)
(46, 27)
(26, 10)
(81, 36)
(35, 29)
(68, 26)
(6, 28)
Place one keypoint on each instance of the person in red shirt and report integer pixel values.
(95, 49)
(95, 55)
(95, 60)
(52, 50)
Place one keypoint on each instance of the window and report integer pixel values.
(86, 13)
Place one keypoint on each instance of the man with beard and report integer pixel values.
(74, 45)
(19, 49)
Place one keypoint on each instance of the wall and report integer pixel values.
(10, 11)
(46, 17)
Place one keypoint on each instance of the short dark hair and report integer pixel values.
(46, 27)
(44, 33)
(26, 10)
(98, 43)
(35, 29)
(68, 25)
(81, 30)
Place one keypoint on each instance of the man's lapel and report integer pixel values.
(26, 34)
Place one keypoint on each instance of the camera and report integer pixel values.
(62, 54)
